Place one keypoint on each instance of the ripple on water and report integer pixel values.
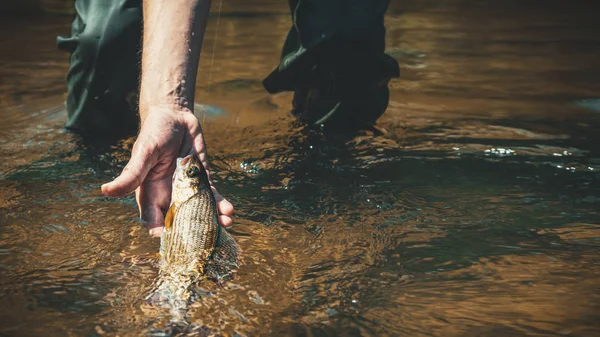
(472, 210)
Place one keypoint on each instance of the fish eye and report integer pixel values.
(193, 172)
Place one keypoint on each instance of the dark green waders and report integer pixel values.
(104, 72)
(333, 59)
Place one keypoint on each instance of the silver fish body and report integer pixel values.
(193, 244)
(192, 228)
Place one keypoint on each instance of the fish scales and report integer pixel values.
(192, 239)
(193, 243)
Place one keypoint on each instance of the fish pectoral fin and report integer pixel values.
(226, 247)
(225, 258)
(170, 217)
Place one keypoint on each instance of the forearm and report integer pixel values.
(173, 34)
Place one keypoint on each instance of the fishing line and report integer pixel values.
(212, 61)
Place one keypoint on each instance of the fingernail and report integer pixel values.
(155, 232)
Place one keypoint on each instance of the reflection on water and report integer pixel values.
(472, 212)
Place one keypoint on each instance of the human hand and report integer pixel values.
(165, 135)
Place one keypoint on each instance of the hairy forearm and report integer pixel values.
(173, 34)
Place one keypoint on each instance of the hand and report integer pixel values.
(165, 135)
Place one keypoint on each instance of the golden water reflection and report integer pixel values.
(471, 211)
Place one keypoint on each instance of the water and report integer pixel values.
(474, 212)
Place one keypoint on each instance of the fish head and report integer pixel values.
(189, 178)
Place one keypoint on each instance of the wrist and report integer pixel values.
(165, 89)
(163, 108)
(168, 95)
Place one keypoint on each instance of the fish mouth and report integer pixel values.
(183, 162)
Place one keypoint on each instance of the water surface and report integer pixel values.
(472, 212)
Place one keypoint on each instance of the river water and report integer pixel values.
(473, 212)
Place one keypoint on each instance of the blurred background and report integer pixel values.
(37, 6)
(472, 212)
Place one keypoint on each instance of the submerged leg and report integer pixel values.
(103, 77)
(334, 61)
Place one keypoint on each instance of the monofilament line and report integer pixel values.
(212, 61)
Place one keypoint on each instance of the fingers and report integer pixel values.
(153, 199)
(198, 144)
(153, 219)
(225, 209)
(223, 205)
(132, 175)
(155, 231)
(225, 221)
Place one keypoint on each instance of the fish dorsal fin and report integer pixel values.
(170, 217)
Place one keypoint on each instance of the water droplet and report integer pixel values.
(500, 152)
(254, 297)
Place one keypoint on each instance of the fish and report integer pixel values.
(193, 245)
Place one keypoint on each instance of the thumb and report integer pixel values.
(132, 175)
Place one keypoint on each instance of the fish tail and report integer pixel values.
(169, 295)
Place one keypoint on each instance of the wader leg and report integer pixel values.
(103, 77)
(334, 61)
